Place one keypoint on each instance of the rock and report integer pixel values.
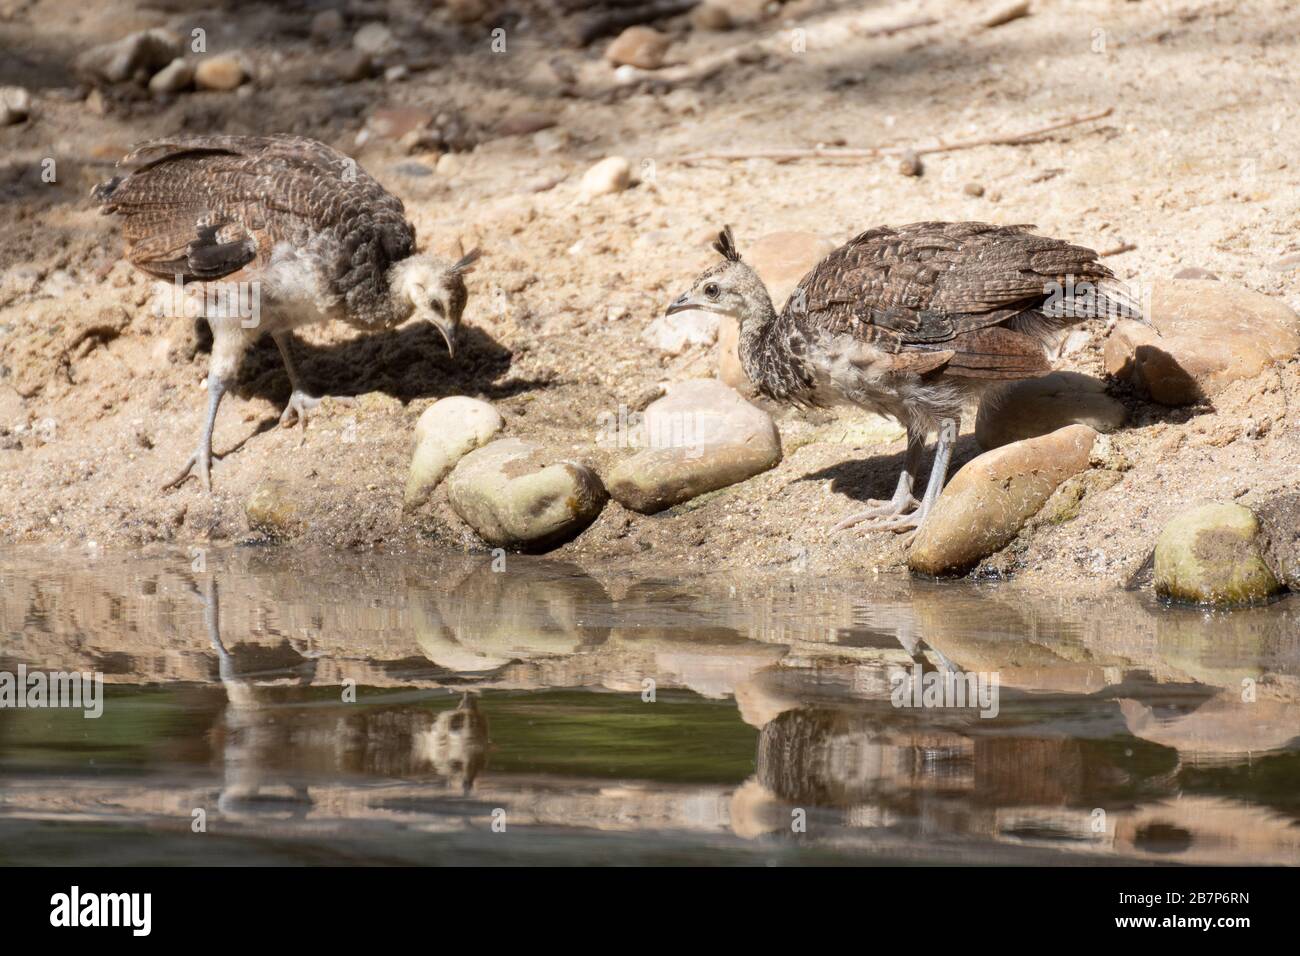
(1280, 519)
(326, 25)
(641, 47)
(1210, 335)
(223, 72)
(610, 175)
(742, 13)
(1040, 406)
(1213, 555)
(699, 437)
(524, 124)
(1195, 272)
(1005, 13)
(176, 76)
(987, 502)
(676, 333)
(142, 52)
(973, 189)
(910, 164)
(448, 430)
(448, 165)
(273, 509)
(468, 11)
(711, 16)
(350, 66)
(15, 105)
(375, 39)
(515, 494)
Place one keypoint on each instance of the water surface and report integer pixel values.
(310, 708)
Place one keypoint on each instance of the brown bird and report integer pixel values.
(913, 323)
(281, 232)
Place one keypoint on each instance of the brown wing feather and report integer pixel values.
(255, 192)
(930, 282)
(996, 353)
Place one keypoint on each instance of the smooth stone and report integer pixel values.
(176, 76)
(639, 46)
(611, 175)
(273, 509)
(15, 105)
(1211, 334)
(1213, 554)
(515, 494)
(989, 500)
(375, 39)
(221, 73)
(676, 333)
(1040, 406)
(146, 51)
(698, 438)
(447, 431)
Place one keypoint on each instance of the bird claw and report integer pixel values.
(300, 403)
(892, 509)
(198, 466)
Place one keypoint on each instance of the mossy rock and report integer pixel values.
(1214, 555)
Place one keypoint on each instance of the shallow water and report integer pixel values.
(310, 708)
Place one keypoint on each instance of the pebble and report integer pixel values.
(15, 105)
(1213, 554)
(1207, 335)
(711, 16)
(176, 76)
(448, 430)
(520, 495)
(639, 46)
(610, 175)
(272, 509)
(222, 73)
(973, 189)
(139, 53)
(375, 39)
(988, 501)
(326, 25)
(701, 436)
(468, 11)
(910, 164)
(1040, 406)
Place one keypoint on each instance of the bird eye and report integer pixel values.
(437, 308)
(712, 290)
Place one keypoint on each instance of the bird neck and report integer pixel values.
(765, 353)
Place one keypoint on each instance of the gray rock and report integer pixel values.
(516, 494)
(698, 438)
(448, 430)
(375, 39)
(176, 76)
(1214, 554)
(146, 51)
(1042, 405)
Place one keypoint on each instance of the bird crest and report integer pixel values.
(726, 245)
(466, 262)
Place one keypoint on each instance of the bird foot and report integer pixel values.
(299, 407)
(198, 466)
(891, 509)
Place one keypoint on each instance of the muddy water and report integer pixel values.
(270, 706)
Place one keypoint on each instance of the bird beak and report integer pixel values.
(682, 303)
(448, 334)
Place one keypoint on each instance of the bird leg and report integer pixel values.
(913, 520)
(300, 403)
(902, 499)
(200, 463)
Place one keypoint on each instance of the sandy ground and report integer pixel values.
(100, 401)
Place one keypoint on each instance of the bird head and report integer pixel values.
(434, 290)
(729, 288)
